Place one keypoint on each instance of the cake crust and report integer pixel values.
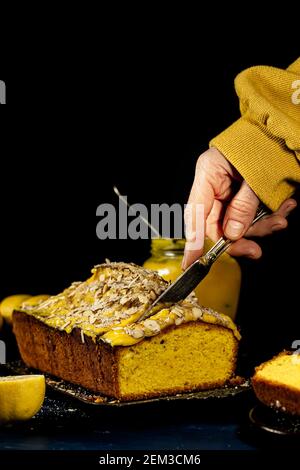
(94, 366)
(64, 355)
(274, 392)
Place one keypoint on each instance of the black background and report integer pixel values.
(132, 107)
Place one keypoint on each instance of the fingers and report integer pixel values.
(212, 181)
(214, 221)
(286, 207)
(240, 212)
(246, 248)
(274, 222)
(266, 226)
(242, 247)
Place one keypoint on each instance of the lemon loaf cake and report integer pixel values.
(88, 335)
(277, 382)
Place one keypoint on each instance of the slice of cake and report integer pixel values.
(277, 382)
(87, 335)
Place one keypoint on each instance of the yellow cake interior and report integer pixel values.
(196, 356)
(282, 370)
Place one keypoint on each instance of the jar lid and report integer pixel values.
(175, 245)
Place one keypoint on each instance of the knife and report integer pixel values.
(193, 275)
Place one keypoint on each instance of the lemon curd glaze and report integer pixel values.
(107, 305)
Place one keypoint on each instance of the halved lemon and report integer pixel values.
(21, 397)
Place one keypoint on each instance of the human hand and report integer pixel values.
(229, 208)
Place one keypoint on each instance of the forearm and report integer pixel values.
(264, 144)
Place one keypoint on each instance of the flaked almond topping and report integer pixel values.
(82, 336)
(136, 333)
(111, 297)
(123, 300)
(144, 299)
(134, 280)
(178, 311)
(88, 312)
(105, 288)
(152, 295)
(127, 288)
(66, 324)
(197, 312)
(93, 288)
(152, 325)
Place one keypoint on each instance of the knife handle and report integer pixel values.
(224, 243)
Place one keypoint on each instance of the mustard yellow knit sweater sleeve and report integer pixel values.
(264, 144)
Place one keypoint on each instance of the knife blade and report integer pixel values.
(195, 273)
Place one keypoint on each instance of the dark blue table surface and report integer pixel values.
(64, 424)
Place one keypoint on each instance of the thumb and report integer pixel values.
(240, 212)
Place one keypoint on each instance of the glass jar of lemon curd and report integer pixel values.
(219, 290)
